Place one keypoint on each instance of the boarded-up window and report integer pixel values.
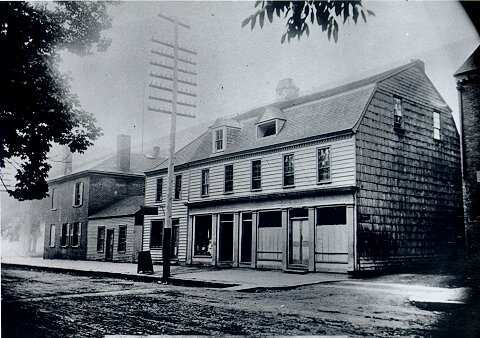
(156, 234)
(64, 235)
(324, 165)
(331, 215)
(75, 232)
(288, 171)
(228, 186)
(52, 235)
(178, 187)
(203, 236)
(122, 238)
(270, 219)
(158, 195)
(101, 239)
(256, 174)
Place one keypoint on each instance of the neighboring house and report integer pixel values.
(79, 194)
(361, 177)
(468, 85)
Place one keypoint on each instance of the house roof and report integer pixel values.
(472, 63)
(124, 207)
(271, 113)
(324, 113)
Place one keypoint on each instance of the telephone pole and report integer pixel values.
(171, 69)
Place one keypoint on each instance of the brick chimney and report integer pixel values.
(123, 152)
(67, 160)
(156, 152)
(286, 90)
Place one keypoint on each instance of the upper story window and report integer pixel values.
(436, 125)
(397, 112)
(219, 139)
(256, 174)
(267, 129)
(178, 187)
(324, 165)
(158, 194)
(78, 194)
(54, 199)
(205, 182)
(228, 184)
(288, 171)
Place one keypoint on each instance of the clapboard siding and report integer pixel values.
(111, 223)
(409, 197)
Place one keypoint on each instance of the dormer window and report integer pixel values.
(267, 129)
(219, 139)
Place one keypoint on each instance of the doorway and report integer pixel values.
(109, 248)
(225, 252)
(299, 242)
(246, 242)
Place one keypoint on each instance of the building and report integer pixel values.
(468, 85)
(360, 177)
(79, 194)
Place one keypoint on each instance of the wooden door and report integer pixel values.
(109, 248)
(299, 242)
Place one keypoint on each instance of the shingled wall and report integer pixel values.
(409, 196)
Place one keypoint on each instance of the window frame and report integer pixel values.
(252, 178)
(333, 209)
(71, 232)
(178, 188)
(101, 240)
(162, 226)
(225, 181)
(437, 128)
(78, 193)
(159, 192)
(329, 180)
(53, 205)
(122, 245)
(398, 124)
(205, 182)
(219, 132)
(284, 172)
(264, 125)
(209, 232)
(53, 232)
(64, 233)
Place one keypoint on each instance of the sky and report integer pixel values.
(238, 68)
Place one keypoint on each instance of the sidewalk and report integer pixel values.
(231, 279)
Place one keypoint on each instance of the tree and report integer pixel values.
(326, 14)
(37, 107)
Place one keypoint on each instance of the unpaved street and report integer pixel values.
(43, 304)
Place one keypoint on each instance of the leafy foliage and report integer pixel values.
(327, 14)
(37, 107)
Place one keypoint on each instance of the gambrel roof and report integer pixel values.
(322, 114)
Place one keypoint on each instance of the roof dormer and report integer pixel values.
(224, 132)
(270, 122)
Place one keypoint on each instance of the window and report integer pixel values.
(218, 139)
(75, 233)
(324, 165)
(158, 196)
(203, 236)
(205, 181)
(256, 174)
(52, 235)
(156, 234)
(54, 199)
(267, 129)
(122, 238)
(436, 125)
(270, 219)
(228, 184)
(331, 215)
(175, 234)
(64, 234)
(100, 238)
(397, 112)
(78, 194)
(288, 171)
(178, 187)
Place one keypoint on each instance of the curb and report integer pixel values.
(436, 306)
(176, 281)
